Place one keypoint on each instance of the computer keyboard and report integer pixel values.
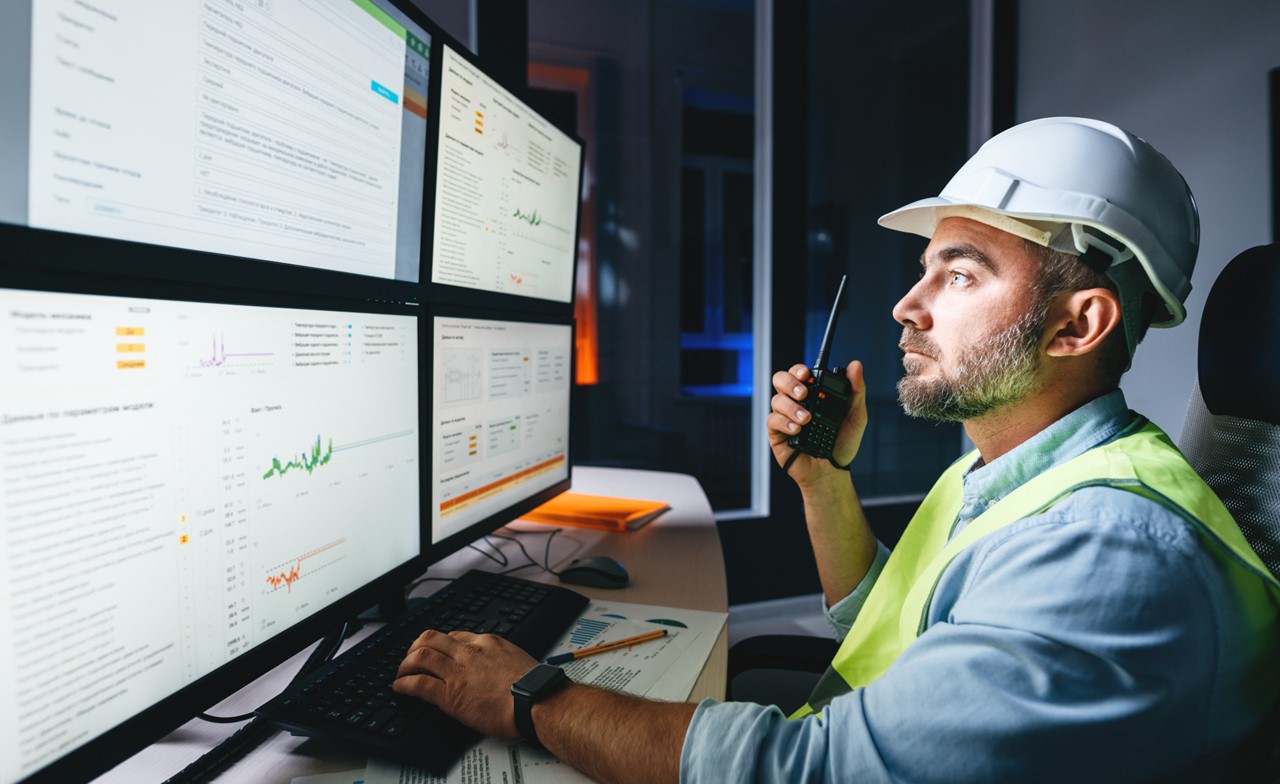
(350, 699)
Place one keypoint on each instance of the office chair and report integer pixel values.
(1232, 432)
(777, 669)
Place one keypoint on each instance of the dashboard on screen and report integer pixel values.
(291, 131)
(499, 417)
(181, 482)
(507, 190)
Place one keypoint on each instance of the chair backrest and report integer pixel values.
(1232, 431)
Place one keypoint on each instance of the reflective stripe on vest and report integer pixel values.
(1144, 462)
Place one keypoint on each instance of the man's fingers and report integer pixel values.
(853, 372)
(790, 409)
(791, 383)
(434, 639)
(424, 687)
(781, 423)
(425, 659)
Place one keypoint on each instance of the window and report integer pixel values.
(716, 203)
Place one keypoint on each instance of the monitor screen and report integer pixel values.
(180, 483)
(291, 131)
(499, 419)
(507, 190)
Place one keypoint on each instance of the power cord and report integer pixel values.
(324, 651)
(251, 735)
(546, 553)
(500, 558)
(225, 719)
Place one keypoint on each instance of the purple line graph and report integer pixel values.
(219, 355)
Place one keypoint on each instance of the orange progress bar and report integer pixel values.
(465, 498)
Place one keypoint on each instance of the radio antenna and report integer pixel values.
(825, 351)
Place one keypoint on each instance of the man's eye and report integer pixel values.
(958, 279)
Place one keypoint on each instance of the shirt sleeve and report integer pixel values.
(842, 614)
(1055, 651)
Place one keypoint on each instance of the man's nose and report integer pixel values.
(912, 310)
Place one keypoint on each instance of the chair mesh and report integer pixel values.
(1240, 460)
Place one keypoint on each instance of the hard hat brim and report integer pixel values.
(922, 217)
(919, 217)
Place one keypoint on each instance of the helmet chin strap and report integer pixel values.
(1130, 278)
(1131, 281)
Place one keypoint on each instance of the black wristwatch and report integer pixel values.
(535, 685)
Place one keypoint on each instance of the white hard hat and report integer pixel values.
(1079, 186)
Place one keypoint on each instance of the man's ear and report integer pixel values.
(1082, 320)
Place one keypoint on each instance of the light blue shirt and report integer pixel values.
(1097, 641)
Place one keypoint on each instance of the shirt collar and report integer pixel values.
(1095, 423)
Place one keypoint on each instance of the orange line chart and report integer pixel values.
(290, 571)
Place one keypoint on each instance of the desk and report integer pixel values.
(674, 561)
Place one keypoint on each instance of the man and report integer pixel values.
(1069, 603)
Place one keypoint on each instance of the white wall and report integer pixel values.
(1190, 77)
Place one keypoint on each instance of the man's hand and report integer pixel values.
(468, 676)
(789, 415)
(605, 734)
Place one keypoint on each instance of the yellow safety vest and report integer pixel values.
(1144, 462)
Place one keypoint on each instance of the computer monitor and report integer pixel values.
(507, 191)
(290, 131)
(187, 433)
(500, 387)
(189, 492)
(212, 348)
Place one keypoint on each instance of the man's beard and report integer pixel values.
(995, 372)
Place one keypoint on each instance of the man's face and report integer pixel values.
(972, 325)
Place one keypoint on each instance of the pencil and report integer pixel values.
(561, 658)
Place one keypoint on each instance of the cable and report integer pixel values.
(225, 719)
(251, 735)
(529, 558)
(503, 561)
(546, 555)
(240, 743)
(328, 647)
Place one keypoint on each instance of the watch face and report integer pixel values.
(539, 678)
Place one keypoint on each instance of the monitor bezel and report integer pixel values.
(84, 253)
(451, 544)
(139, 731)
(448, 293)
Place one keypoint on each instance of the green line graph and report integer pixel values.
(531, 218)
(320, 455)
(307, 462)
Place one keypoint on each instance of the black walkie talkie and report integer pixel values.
(828, 398)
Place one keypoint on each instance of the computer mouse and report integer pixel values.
(598, 571)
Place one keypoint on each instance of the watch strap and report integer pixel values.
(537, 684)
(524, 718)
